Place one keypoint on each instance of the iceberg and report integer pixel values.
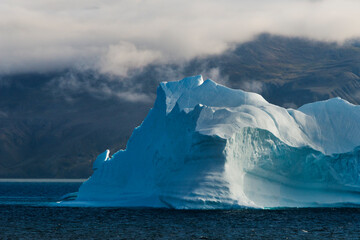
(206, 146)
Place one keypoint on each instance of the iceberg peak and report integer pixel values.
(191, 91)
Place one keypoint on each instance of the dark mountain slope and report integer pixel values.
(291, 70)
(43, 135)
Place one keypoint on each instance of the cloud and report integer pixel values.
(131, 96)
(215, 74)
(98, 85)
(121, 58)
(117, 36)
(253, 86)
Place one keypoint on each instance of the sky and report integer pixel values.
(116, 36)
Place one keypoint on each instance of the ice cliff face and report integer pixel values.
(205, 146)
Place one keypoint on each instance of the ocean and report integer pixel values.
(27, 211)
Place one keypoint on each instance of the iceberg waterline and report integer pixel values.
(206, 146)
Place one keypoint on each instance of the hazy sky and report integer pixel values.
(115, 36)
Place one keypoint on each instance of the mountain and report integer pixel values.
(55, 124)
(292, 71)
(44, 134)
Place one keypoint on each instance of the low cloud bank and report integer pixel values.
(115, 37)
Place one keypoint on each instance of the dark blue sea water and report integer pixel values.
(25, 214)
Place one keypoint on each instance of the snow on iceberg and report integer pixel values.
(206, 146)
